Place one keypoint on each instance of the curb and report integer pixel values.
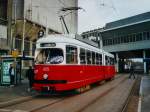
(15, 101)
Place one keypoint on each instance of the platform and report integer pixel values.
(15, 94)
(145, 94)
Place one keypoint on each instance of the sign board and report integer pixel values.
(5, 78)
(15, 53)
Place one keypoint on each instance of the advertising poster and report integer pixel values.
(5, 78)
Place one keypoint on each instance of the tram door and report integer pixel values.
(5, 65)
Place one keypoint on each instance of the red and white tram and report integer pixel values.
(64, 63)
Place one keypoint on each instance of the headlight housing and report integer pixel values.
(45, 76)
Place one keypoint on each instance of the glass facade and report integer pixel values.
(140, 36)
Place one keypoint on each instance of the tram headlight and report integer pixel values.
(45, 76)
(35, 71)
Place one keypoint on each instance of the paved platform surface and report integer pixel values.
(145, 94)
(8, 94)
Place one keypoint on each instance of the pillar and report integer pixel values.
(144, 56)
(117, 63)
(9, 25)
(31, 44)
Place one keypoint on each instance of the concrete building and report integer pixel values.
(21, 20)
(126, 38)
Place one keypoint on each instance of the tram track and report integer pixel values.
(102, 95)
(111, 102)
(132, 96)
(34, 103)
(74, 102)
(55, 103)
(128, 98)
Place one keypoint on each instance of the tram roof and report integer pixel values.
(60, 38)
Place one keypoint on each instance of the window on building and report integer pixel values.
(110, 41)
(134, 37)
(82, 56)
(131, 38)
(125, 39)
(122, 39)
(104, 42)
(27, 47)
(71, 54)
(33, 48)
(18, 43)
(148, 35)
(128, 38)
(138, 36)
(144, 35)
(115, 40)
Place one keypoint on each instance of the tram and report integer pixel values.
(65, 63)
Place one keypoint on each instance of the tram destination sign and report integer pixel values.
(47, 44)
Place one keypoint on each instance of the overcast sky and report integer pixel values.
(99, 12)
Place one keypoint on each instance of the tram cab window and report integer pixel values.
(88, 54)
(71, 54)
(93, 58)
(82, 56)
(50, 56)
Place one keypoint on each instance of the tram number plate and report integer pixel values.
(46, 88)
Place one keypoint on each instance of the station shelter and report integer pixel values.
(5, 62)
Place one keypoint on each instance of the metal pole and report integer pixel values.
(23, 35)
(46, 26)
(15, 13)
(61, 17)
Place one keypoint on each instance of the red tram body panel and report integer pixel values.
(67, 64)
(66, 77)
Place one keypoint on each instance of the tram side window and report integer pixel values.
(100, 59)
(89, 60)
(107, 60)
(112, 61)
(71, 54)
(97, 59)
(93, 58)
(82, 56)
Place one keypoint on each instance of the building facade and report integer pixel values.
(126, 38)
(21, 20)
